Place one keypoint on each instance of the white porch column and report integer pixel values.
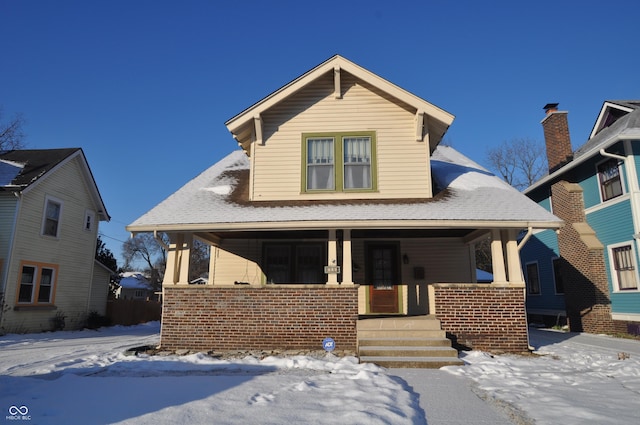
(513, 257)
(170, 272)
(185, 257)
(497, 257)
(347, 263)
(332, 257)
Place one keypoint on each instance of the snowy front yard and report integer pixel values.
(84, 377)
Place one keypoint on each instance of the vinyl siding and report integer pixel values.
(402, 162)
(7, 216)
(73, 251)
(614, 225)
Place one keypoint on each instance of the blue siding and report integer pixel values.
(543, 247)
(614, 225)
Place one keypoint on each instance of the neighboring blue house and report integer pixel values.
(588, 270)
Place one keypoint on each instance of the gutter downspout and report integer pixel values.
(9, 258)
(524, 240)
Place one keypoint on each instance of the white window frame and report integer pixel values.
(614, 273)
(528, 282)
(600, 186)
(55, 200)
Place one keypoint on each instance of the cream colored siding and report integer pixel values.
(73, 251)
(402, 162)
(236, 261)
(7, 216)
(99, 289)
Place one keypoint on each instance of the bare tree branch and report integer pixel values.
(11, 133)
(520, 162)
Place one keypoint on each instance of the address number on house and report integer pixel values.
(331, 269)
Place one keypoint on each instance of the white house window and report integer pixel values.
(37, 283)
(624, 266)
(533, 279)
(339, 161)
(609, 177)
(320, 164)
(51, 219)
(357, 162)
(89, 218)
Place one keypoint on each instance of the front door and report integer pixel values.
(383, 275)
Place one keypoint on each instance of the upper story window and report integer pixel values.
(37, 283)
(89, 218)
(339, 162)
(609, 179)
(51, 219)
(624, 267)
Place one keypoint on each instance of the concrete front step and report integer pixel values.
(406, 342)
(400, 333)
(412, 362)
(427, 323)
(396, 351)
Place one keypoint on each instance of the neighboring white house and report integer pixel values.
(134, 286)
(50, 208)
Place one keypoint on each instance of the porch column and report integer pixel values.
(347, 272)
(332, 257)
(185, 257)
(170, 272)
(513, 257)
(497, 257)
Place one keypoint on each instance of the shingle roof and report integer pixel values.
(626, 126)
(468, 193)
(33, 164)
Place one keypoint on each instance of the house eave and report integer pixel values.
(360, 224)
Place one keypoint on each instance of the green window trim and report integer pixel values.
(338, 162)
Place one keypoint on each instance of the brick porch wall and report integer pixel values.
(482, 316)
(259, 318)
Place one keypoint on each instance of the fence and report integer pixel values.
(133, 312)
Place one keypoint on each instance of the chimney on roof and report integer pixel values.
(556, 137)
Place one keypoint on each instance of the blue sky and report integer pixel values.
(144, 87)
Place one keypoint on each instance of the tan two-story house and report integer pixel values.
(338, 206)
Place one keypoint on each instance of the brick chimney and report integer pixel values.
(556, 137)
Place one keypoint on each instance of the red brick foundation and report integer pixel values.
(259, 318)
(482, 316)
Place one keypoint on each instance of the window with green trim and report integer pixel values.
(339, 162)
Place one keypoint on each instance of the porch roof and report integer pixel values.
(467, 196)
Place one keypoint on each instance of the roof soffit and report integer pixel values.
(240, 124)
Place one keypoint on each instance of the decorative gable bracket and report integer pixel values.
(421, 126)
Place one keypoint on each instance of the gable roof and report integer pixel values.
(20, 170)
(469, 197)
(625, 127)
(437, 120)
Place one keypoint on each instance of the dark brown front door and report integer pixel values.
(383, 274)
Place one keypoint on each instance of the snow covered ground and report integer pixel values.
(85, 377)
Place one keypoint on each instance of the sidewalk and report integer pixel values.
(449, 400)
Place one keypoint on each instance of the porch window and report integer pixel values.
(37, 283)
(339, 162)
(625, 268)
(294, 262)
(533, 279)
(609, 177)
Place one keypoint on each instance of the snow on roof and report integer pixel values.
(134, 280)
(469, 193)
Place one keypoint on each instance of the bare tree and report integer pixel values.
(11, 133)
(199, 262)
(520, 162)
(146, 248)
